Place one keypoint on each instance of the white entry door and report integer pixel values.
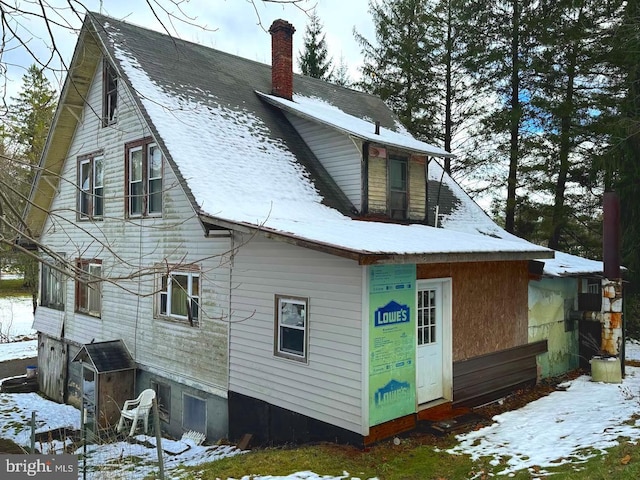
(429, 348)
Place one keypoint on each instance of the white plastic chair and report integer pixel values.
(137, 409)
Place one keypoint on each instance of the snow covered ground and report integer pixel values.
(565, 427)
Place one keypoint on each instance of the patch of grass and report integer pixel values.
(13, 287)
(413, 459)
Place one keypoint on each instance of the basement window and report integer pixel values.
(194, 413)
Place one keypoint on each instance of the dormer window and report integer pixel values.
(110, 95)
(398, 187)
(395, 185)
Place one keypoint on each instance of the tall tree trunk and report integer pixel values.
(448, 94)
(566, 111)
(515, 115)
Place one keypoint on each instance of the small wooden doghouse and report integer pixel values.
(108, 379)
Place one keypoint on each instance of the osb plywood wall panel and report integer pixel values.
(489, 304)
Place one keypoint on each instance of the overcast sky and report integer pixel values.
(229, 25)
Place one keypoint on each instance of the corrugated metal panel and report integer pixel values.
(336, 152)
(489, 377)
(328, 387)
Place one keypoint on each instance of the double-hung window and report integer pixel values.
(89, 287)
(291, 327)
(52, 284)
(398, 187)
(179, 296)
(143, 178)
(91, 186)
(109, 94)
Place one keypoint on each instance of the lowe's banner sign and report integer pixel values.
(392, 343)
(392, 313)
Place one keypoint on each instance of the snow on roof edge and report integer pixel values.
(349, 124)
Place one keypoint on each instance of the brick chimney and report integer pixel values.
(282, 58)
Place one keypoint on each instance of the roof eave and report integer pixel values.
(371, 138)
(368, 258)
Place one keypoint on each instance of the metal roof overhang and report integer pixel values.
(369, 258)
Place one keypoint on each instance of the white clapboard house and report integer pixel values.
(261, 249)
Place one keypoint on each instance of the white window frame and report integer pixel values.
(290, 313)
(166, 296)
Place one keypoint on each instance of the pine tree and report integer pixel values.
(32, 112)
(341, 74)
(399, 66)
(499, 34)
(567, 76)
(25, 135)
(619, 164)
(314, 60)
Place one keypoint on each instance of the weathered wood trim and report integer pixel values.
(364, 202)
(488, 377)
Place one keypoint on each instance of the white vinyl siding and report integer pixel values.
(328, 387)
(157, 346)
(337, 153)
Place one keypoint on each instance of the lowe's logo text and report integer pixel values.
(391, 313)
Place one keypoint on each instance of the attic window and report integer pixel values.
(110, 95)
(398, 187)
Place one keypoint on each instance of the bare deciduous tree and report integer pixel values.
(20, 21)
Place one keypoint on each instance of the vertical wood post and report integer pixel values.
(156, 426)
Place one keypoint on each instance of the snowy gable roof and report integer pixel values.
(243, 163)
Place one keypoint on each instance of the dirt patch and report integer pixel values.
(7, 446)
